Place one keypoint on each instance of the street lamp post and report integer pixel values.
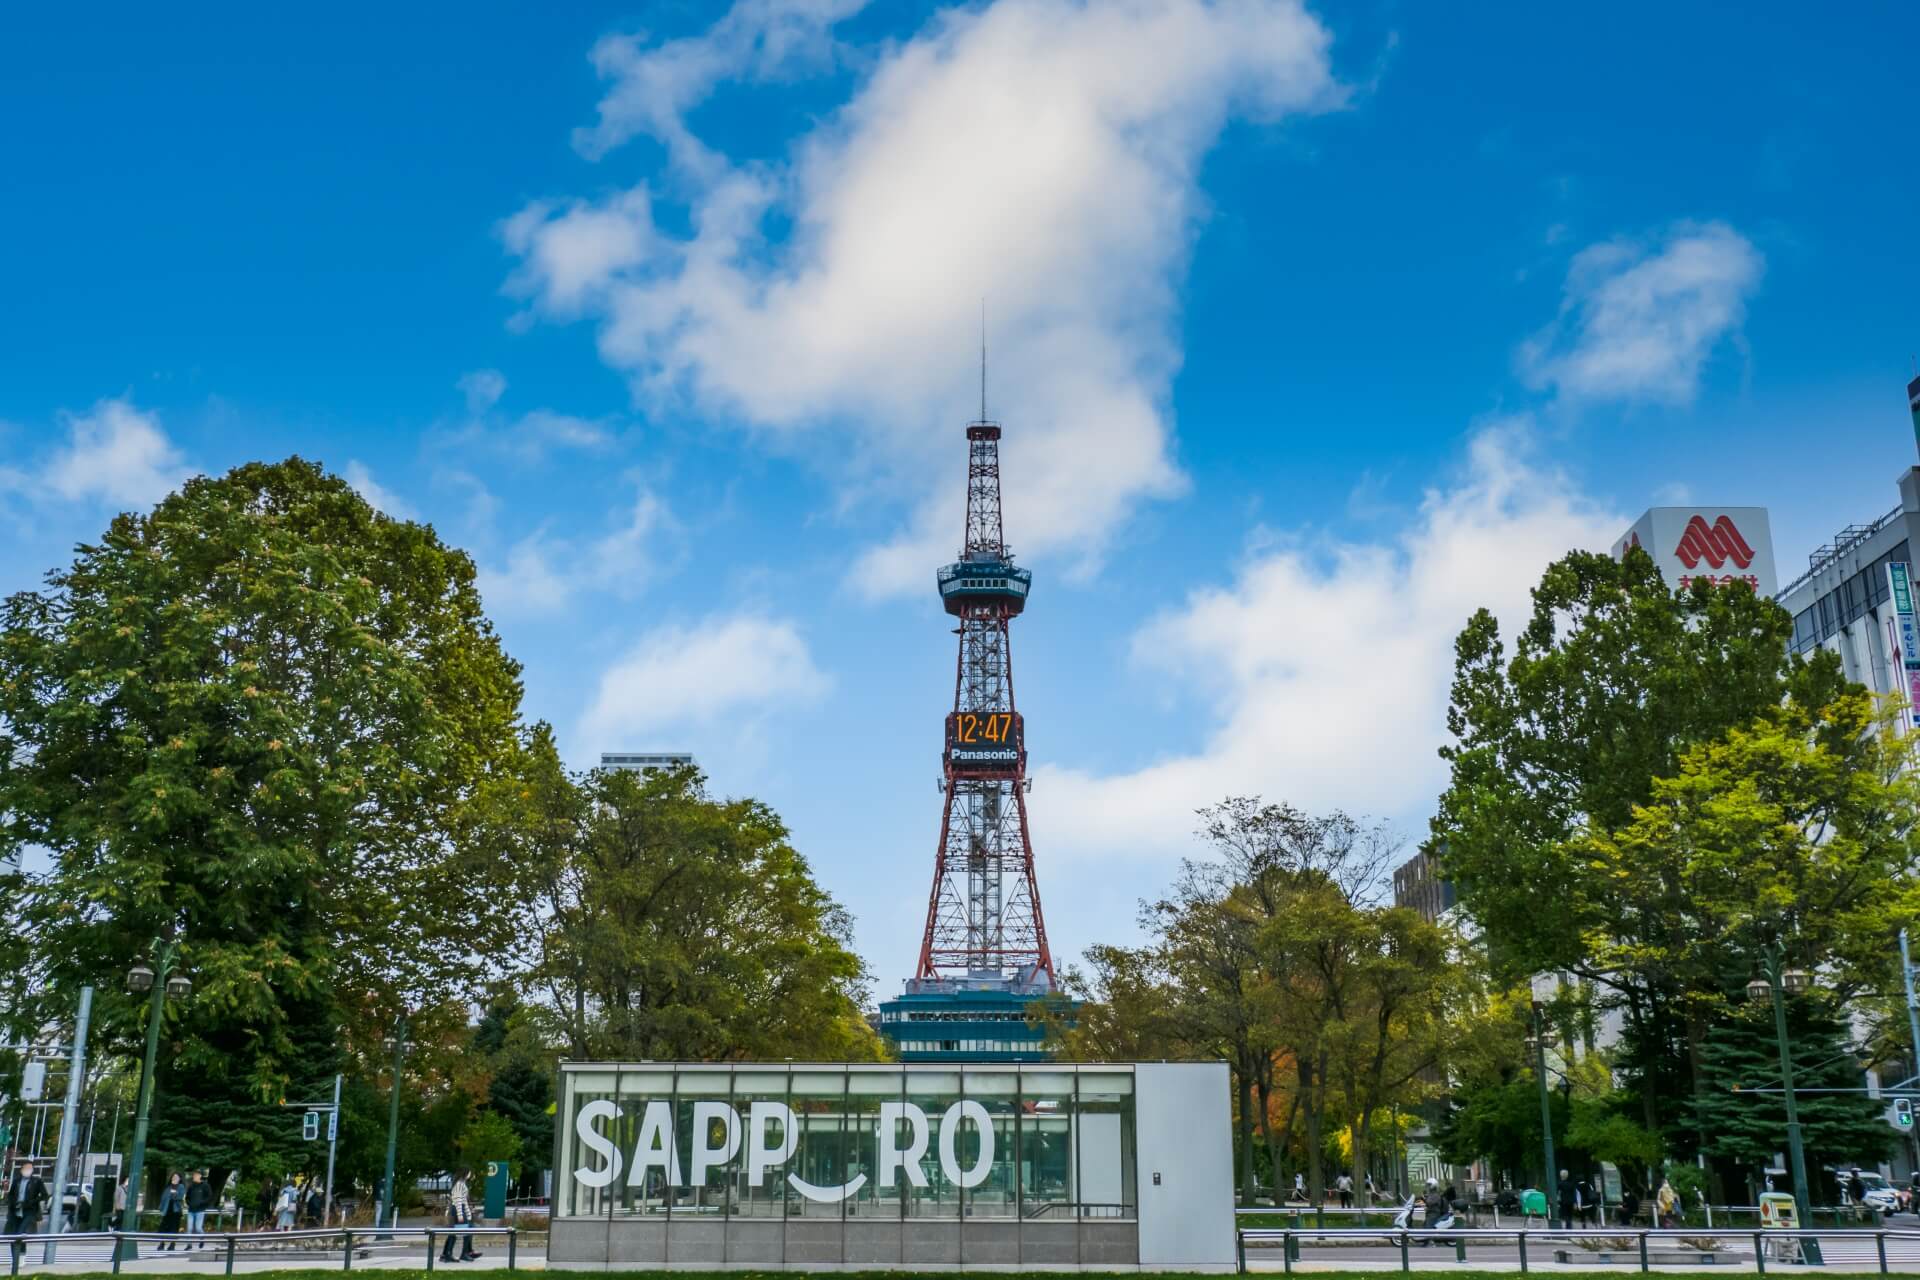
(391, 1204)
(1546, 1110)
(160, 980)
(1775, 987)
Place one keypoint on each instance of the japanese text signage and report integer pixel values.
(1906, 633)
(1720, 545)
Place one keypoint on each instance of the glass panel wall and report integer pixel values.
(759, 1186)
(593, 1166)
(880, 1141)
(996, 1145)
(1103, 1131)
(932, 1094)
(816, 1174)
(870, 1131)
(709, 1140)
(1046, 1144)
(644, 1134)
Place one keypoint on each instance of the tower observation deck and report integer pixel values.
(983, 954)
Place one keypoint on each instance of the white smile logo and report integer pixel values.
(656, 1149)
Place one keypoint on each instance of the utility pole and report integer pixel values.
(333, 1144)
(69, 1115)
(1913, 1006)
(391, 1205)
(1546, 1111)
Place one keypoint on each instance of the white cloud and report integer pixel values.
(541, 429)
(1638, 322)
(570, 255)
(1327, 665)
(530, 435)
(378, 496)
(543, 574)
(482, 388)
(1042, 154)
(117, 453)
(655, 86)
(720, 668)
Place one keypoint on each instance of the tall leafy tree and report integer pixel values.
(248, 721)
(667, 924)
(1613, 679)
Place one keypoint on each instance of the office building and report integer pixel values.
(1417, 885)
(645, 761)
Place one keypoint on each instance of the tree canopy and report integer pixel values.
(246, 722)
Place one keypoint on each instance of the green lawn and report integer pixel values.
(1615, 1273)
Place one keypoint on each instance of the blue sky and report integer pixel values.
(1312, 329)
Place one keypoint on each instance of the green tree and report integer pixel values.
(521, 1087)
(1499, 1120)
(489, 1136)
(249, 721)
(666, 924)
(1613, 680)
(1741, 1110)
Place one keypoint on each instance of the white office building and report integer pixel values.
(645, 761)
(1848, 599)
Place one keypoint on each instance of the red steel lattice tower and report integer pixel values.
(983, 916)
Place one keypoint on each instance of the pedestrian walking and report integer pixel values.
(1568, 1198)
(1588, 1201)
(172, 1204)
(26, 1200)
(459, 1213)
(1666, 1201)
(289, 1198)
(1344, 1185)
(199, 1199)
(1300, 1187)
(316, 1205)
(1629, 1206)
(119, 1203)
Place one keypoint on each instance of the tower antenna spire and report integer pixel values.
(983, 359)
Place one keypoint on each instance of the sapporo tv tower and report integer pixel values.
(984, 956)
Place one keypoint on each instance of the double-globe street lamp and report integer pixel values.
(1775, 986)
(160, 979)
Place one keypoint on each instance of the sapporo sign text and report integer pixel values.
(771, 1133)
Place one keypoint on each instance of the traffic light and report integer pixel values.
(310, 1126)
(1903, 1112)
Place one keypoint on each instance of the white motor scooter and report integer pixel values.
(1403, 1221)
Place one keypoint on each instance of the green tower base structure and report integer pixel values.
(983, 1019)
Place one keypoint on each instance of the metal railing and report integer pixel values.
(1839, 1245)
(255, 1243)
(1710, 1217)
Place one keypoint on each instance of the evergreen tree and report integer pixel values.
(1745, 1125)
(521, 1090)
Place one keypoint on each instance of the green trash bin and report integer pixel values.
(1533, 1202)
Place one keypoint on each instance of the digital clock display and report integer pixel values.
(986, 742)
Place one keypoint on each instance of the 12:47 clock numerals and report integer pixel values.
(993, 726)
